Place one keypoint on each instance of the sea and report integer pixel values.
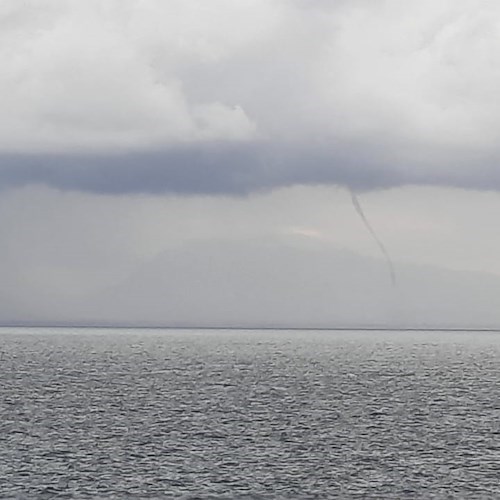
(249, 414)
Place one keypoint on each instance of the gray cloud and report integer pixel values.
(214, 169)
(239, 169)
(224, 97)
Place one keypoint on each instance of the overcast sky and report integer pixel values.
(190, 161)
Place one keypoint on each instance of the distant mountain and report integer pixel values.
(290, 282)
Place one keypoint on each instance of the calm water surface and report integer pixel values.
(248, 414)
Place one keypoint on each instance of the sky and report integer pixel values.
(190, 162)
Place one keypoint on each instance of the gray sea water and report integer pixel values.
(110, 413)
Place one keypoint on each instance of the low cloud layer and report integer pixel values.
(232, 97)
(239, 169)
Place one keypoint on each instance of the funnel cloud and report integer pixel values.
(359, 209)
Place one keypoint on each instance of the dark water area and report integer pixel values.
(249, 414)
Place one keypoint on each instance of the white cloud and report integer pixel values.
(106, 75)
(135, 73)
(421, 73)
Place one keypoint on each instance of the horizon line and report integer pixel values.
(366, 328)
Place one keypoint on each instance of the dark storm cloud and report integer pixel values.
(232, 170)
(239, 169)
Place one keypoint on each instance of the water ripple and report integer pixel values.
(250, 415)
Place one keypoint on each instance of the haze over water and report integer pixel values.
(116, 413)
